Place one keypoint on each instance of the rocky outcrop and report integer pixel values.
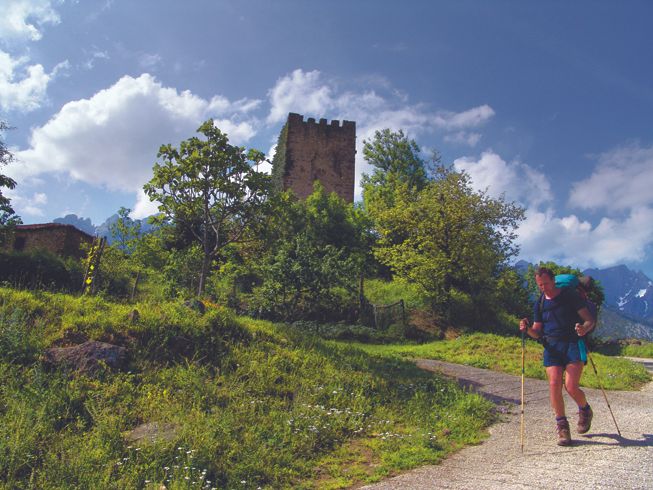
(87, 358)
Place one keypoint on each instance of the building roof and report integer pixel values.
(50, 226)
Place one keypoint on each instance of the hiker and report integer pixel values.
(557, 324)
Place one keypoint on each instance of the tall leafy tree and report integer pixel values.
(8, 218)
(453, 239)
(312, 256)
(125, 231)
(394, 157)
(210, 187)
(398, 169)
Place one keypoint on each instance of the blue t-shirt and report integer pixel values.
(560, 314)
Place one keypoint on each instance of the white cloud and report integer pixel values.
(516, 181)
(149, 61)
(95, 55)
(144, 207)
(22, 86)
(623, 180)
(28, 205)
(464, 138)
(545, 234)
(299, 90)
(21, 20)
(467, 119)
(112, 139)
(572, 241)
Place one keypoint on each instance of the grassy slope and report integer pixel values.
(504, 354)
(248, 404)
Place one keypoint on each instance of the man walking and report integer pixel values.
(560, 319)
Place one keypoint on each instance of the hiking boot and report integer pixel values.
(584, 420)
(564, 434)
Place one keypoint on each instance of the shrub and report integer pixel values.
(40, 269)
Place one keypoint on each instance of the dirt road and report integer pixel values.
(598, 459)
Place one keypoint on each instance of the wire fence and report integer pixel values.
(381, 317)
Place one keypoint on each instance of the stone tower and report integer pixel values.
(310, 151)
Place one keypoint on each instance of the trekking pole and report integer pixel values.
(523, 358)
(589, 356)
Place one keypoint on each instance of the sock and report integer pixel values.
(560, 419)
(585, 408)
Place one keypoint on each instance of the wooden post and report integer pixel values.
(138, 276)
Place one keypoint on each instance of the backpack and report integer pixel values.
(583, 286)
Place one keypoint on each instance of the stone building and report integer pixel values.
(308, 151)
(60, 239)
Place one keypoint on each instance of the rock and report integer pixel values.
(70, 337)
(86, 358)
(151, 432)
(195, 305)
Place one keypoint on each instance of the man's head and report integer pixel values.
(545, 279)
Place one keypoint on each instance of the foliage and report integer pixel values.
(380, 292)
(312, 258)
(596, 294)
(116, 273)
(501, 353)
(8, 218)
(642, 349)
(451, 241)
(245, 404)
(40, 269)
(394, 158)
(211, 188)
(125, 231)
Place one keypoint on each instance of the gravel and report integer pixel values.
(598, 459)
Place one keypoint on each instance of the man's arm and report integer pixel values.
(534, 331)
(589, 322)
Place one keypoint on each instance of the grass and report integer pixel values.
(503, 354)
(246, 404)
(645, 349)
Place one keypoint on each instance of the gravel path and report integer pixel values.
(599, 459)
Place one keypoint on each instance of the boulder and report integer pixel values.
(152, 432)
(87, 358)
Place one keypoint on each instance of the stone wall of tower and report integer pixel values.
(317, 151)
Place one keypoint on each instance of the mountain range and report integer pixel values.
(104, 229)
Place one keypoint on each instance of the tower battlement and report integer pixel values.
(310, 150)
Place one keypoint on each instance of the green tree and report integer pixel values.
(454, 240)
(8, 218)
(211, 185)
(125, 231)
(596, 294)
(398, 170)
(394, 157)
(311, 258)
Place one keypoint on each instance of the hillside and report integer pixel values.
(209, 398)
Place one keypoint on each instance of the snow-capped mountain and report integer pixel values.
(627, 311)
(628, 292)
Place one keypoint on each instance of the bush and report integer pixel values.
(40, 269)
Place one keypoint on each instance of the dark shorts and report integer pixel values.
(563, 352)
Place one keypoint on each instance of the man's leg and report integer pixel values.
(554, 374)
(574, 371)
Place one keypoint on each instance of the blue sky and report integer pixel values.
(548, 103)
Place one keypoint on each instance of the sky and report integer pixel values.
(548, 104)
